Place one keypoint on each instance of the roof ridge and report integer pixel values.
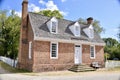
(51, 17)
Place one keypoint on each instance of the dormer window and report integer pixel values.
(54, 27)
(89, 31)
(75, 29)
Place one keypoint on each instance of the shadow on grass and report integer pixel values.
(10, 69)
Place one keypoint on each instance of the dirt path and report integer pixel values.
(3, 71)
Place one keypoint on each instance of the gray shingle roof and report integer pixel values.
(40, 29)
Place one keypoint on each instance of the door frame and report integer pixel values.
(80, 58)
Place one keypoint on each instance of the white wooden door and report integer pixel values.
(78, 55)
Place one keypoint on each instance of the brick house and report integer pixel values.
(56, 44)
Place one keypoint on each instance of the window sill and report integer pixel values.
(92, 57)
(53, 57)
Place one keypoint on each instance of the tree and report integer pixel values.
(110, 42)
(9, 34)
(118, 35)
(112, 48)
(96, 24)
(50, 13)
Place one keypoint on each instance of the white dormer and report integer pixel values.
(53, 25)
(75, 29)
(89, 31)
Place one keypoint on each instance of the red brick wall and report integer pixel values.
(99, 54)
(41, 56)
(42, 61)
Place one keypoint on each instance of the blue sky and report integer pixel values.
(106, 11)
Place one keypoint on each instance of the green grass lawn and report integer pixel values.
(11, 69)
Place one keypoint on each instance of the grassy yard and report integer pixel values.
(56, 73)
(11, 69)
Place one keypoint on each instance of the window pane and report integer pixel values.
(54, 25)
(92, 54)
(91, 32)
(77, 30)
(53, 55)
(54, 50)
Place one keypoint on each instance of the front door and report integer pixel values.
(78, 55)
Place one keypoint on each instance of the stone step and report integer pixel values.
(81, 68)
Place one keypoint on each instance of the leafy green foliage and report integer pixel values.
(112, 48)
(106, 56)
(118, 34)
(96, 24)
(50, 13)
(9, 34)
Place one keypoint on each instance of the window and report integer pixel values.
(30, 50)
(54, 26)
(54, 50)
(92, 51)
(91, 33)
(77, 29)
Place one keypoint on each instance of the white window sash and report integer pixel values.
(92, 53)
(56, 25)
(30, 50)
(56, 50)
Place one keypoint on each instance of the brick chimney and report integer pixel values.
(89, 20)
(24, 12)
(23, 47)
(24, 25)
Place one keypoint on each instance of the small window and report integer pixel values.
(92, 51)
(30, 50)
(77, 29)
(54, 50)
(54, 27)
(91, 33)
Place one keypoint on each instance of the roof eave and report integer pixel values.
(68, 41)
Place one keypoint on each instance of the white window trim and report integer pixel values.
(51, 50)
(94, 52)
(56, 27)
(30, 50)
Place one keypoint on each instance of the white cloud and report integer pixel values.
(64, 13)
(19, 13)
(63, 0)
(33, 8)
(115, 29)
(42, 2)
(49, 5)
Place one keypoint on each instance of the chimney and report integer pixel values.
(89, 20)
(23, 35)
(24, 12)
